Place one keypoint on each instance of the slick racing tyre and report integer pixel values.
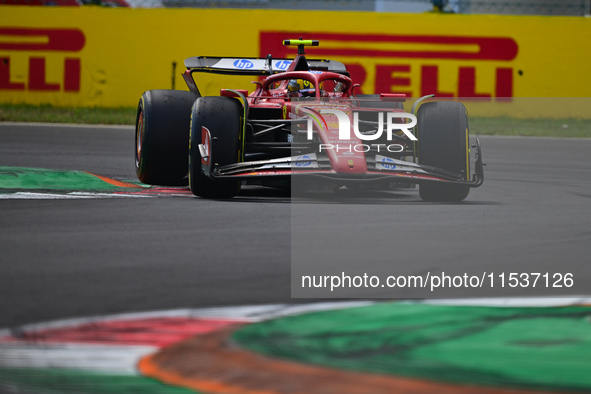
(443, 143)
(162, 136)
(222, 117)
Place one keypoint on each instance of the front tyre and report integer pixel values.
(222, 117)
(443, 143)
(162, 135)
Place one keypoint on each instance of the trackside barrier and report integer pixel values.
(92, 56)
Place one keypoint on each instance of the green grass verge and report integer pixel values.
(580, 128)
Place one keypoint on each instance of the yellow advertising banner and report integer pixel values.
(92, 56)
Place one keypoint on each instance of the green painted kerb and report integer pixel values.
(63, 381)
(538, 348)
(18, 178)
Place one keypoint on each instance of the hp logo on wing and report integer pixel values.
(388, 163)
(303, 161)
(243, 63)
(282, 65)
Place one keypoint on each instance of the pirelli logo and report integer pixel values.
(36, 44)
(397, 56)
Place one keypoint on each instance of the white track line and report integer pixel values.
(111, 359)
(256, 313)
(74, 125)
(122, 359)
(246, 313)
(68, 196)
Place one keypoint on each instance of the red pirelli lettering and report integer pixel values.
(430, 82)
(397, 77)
(72, 75)
(34, 40)
(452, 47)
(37, 76)
(504, 86)
(5, 83)
(392, 79)
(467, 83)
(68, 40)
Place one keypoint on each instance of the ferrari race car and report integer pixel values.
(303, 124)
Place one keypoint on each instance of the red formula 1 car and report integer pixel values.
(303, 122)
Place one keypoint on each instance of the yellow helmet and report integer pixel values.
(301, 86)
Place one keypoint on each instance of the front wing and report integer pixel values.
(311, 166)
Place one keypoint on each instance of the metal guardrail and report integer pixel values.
(506, 7)
(503, 7)
(521, 7)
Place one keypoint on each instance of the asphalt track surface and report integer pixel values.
(73, 258)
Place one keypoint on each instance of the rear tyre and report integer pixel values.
(443, 143)
(162, 135)
(222, 116)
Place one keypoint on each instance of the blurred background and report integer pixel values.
(500, 7)
(521, 67)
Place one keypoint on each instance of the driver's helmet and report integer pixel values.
(300, 88)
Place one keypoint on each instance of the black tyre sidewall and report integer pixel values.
(222, 116)
(165, 116)
(443, 143)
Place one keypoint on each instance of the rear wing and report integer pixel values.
(251, 66)
(256, 66)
